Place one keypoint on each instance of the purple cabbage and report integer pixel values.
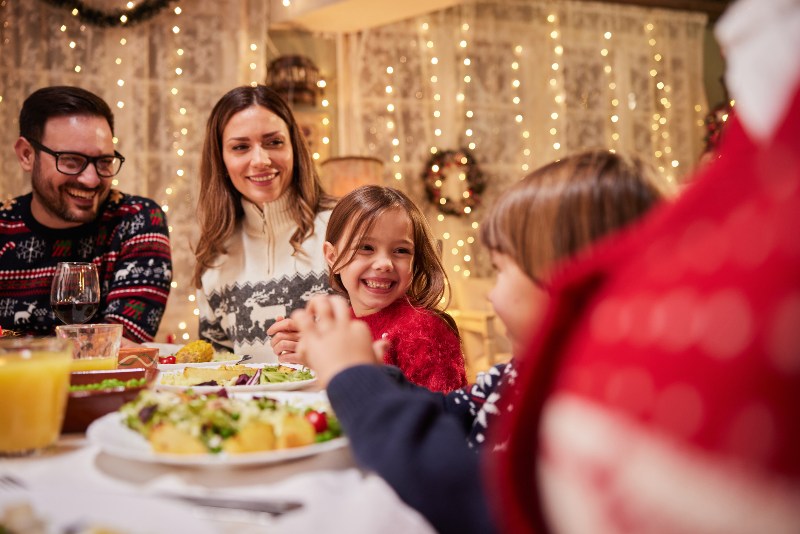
(253, 380)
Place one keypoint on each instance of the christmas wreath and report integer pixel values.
(459, 165)
(142, 11)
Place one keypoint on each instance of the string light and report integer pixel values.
(324, 121)
(608, 68)
(555, 83)
(660, 122)
(462, 96)
(516, 100)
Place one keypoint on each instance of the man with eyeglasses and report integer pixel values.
(66, 144)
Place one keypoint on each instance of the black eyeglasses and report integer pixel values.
(75, 163)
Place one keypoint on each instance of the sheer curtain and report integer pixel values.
(521, 83)
(161, 79)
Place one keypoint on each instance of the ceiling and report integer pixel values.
(354, 15)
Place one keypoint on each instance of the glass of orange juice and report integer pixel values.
(95, 346)
(34, 384)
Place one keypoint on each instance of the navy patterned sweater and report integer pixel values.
(129, 244)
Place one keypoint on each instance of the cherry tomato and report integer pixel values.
(318, 420)
(166, 359)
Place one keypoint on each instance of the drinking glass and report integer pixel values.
(34, 384)
(95, 346)
(75, 294)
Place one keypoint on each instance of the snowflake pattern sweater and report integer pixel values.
(129, 244)
(260, 278)
(421, 345)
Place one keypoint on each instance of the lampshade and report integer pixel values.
(341, 175)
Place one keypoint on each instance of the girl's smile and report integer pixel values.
(379, 269)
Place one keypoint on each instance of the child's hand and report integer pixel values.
(331, 340)
(380, 347)
(283, 337)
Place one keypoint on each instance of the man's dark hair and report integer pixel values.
(59, 101)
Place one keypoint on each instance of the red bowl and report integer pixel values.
(85, 406)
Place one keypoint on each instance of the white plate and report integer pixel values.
(165, 367)
(114, 438)
(255, 388)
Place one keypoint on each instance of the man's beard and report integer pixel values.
(54, 200)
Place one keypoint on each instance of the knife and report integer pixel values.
(274, 507)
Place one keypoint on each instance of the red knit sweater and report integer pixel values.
(421, 344)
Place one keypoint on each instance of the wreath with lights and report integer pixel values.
(435, 176)
(142, 11)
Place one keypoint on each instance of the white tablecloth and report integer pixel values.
(75, 481)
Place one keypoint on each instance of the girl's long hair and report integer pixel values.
(219, 207)
(356, 214)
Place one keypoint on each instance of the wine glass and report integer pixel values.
(75, 294)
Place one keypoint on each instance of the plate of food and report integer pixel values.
(215, 430)
(236, 378)
(193, 352)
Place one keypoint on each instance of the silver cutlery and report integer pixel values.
(273, 507)
(244, 359)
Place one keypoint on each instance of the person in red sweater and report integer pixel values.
(383, 258)
(661, 394)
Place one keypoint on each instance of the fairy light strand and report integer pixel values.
(606, 51)
(667, 162)
(470, 139)
(557, 116)
(391, 122)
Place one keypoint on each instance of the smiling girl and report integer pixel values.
(262, 214)
(382, 256)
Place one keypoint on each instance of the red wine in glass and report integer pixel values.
(75, 293)
(73, 312)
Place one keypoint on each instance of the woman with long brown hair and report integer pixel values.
(262, 215)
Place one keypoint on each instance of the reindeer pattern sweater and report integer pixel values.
(129, 244)
(259, 278)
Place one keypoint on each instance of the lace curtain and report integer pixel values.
(521, 83)
(161, 79)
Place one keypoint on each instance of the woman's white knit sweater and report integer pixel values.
(260, 278)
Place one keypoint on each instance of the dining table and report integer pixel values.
(78, 483)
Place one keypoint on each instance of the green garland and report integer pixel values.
(434, 176)
(142, 11)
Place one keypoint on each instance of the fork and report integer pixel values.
(244, 359)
